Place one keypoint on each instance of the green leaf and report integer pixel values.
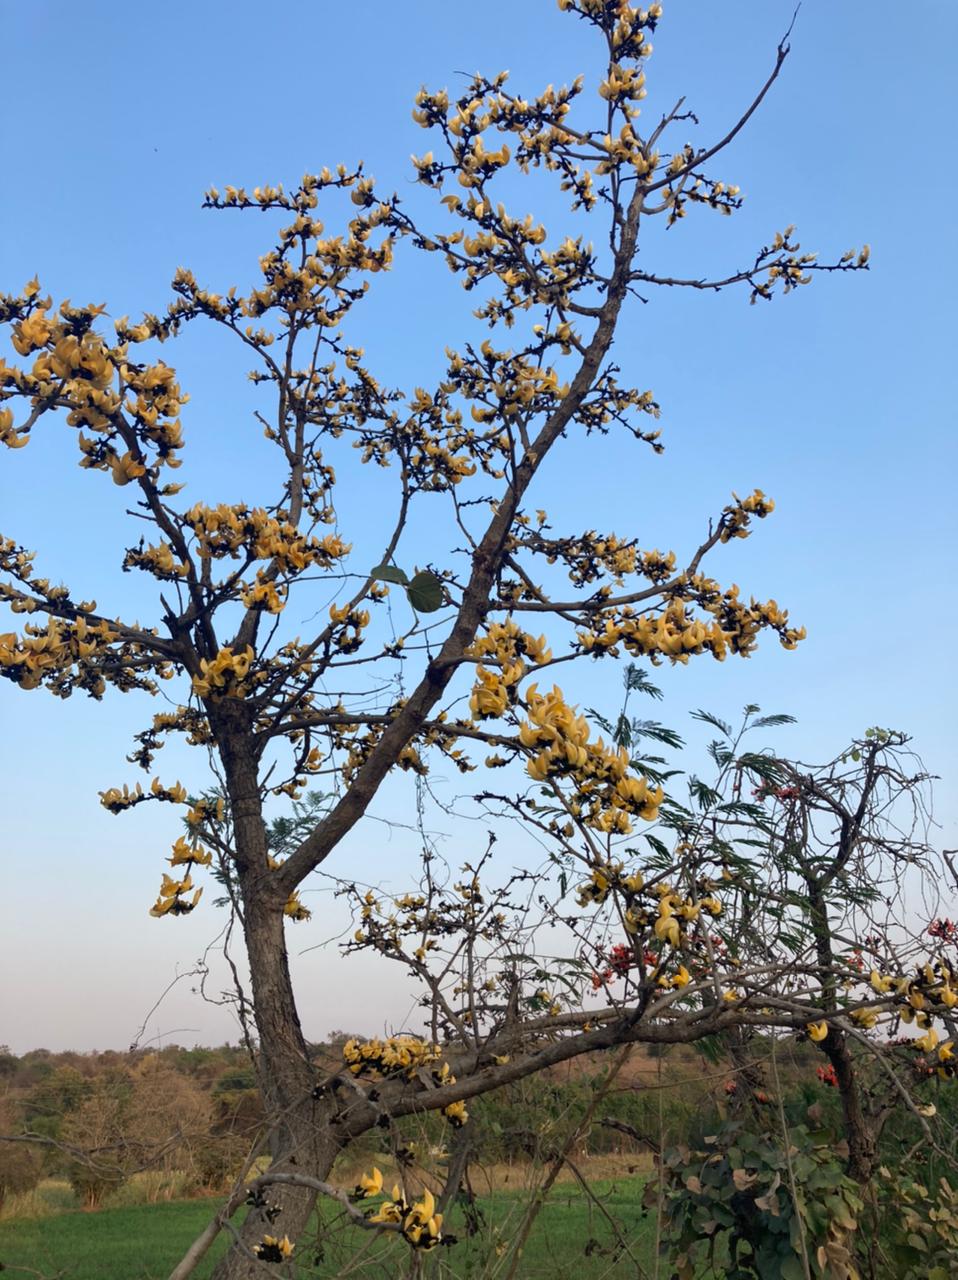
(714, 721)
(658, 732)
(792, 1269)
(425, 592)
(658, 845)
(637, 680)
(389, 573)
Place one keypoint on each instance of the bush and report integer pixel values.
(20, 1170)
(744, 1198)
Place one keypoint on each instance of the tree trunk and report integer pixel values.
(861, 1146)
(300, 1138)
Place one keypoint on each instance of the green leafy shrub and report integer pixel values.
(752, 1209)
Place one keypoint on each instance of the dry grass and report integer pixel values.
(55, 1195)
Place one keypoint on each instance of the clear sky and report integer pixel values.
(838, 401)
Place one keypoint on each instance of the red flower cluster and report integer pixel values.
(779, 793)
(827, 1076)
(618, 963)
(945, 929)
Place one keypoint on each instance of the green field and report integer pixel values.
(571, 1240)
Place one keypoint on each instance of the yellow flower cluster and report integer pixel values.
(274, 1249)
(672, 634)
(623, 82)
(501, 386)
(941, 1053)
(607, 879)
(158, 560)
(117, 799)
(397, 1055)
(224, 675)
(185, 854)
(172, 898)
(305, 274)
(590, 555)
(226, 530)
(670, 913)
(543, 138)
(606, 794)
(133, 408)
(45, 652)
(674, 912)
(456, 1112)
(294, 909)
(509, 647)
(736, 516)
(676, 634)
(421, 1225)
(931, 990)
(74, 649)
(265, 595)
(404, 1056)
(206, 809)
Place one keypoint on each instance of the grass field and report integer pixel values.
(571, 1240)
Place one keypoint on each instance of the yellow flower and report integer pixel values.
(295, 909)
(32, 333)
(927, 1042)
(126, 468)
(879, 983)
(389, 1211)
(184, 853)
(456, 1114)
(370, 1185)
(667, 930)
(817, 1031)
(422, 1226)
(274, 1249)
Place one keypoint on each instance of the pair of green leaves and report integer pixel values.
(424, 590)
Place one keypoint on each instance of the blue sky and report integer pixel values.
(838, 401)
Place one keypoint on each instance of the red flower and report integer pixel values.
(945, 929)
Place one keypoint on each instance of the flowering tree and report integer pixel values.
(467, 680)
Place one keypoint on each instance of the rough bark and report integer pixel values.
(861, 1144)
(299, 1135)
